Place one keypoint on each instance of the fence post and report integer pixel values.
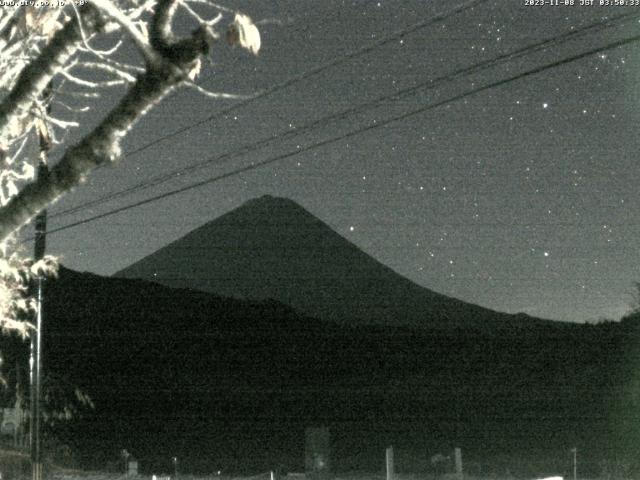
(390, 466)
(458, 455)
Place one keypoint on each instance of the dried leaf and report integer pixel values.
(244, 33)
(195, 71)
(43, 131)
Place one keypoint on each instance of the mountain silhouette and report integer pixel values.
(232, 384)
(271, 247)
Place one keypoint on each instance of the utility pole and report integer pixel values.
(36, 345)
(35, 361)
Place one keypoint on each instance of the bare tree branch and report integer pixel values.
(37, 75)
(102, 145)
(116, 14)
(40, 45)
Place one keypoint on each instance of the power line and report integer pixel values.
(429, 84)
(314, 71)
(303, 76)
(353, 133)
(288, 82)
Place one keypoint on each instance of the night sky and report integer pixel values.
(520, 198)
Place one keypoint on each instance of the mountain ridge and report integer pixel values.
(187, 373)
(271, 247)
